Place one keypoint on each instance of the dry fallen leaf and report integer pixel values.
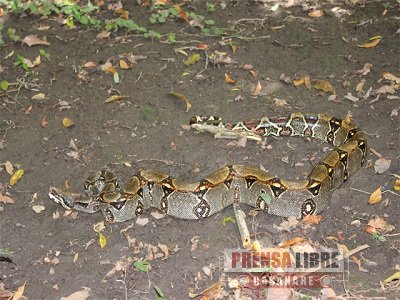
(280, 102)
(312, 219)
(395, 276)
(115, 98)
(396, 185)
(210, 292)
(108, 67)
(388, 89)
(229, 79)
(67, 122)
(43, 27)
(255, 246)
(342, 249)
(9, 167)
(80, 295)
(124, 13)
(195, 241)
(307, 81)
(182, 97)
(44, 122)
(360, 85)
(32, 40)
(327, 293)
(202, 46)
(102, 240)
(124, 65)
(254, 73)
(257, 89)
(381, 165)
(291, 242)
(157, 215)
(370, 229)
(394, 113)
(16, 177)
(38, 208)
(379, 223)
(19, 292)
(99, 226)
(288, 225)
(164, 249)
(376, 196)
(391, 77)
(104, 34)
(324, 86)
(365, 70)
(298, 82)
(142, 221)
(56, 215)
(316, 13)
(358, 262)
(350, 97)
(373, 43)
(182, 13)
(39, 96)
(192, 59)
(29, 109)
(89, 65)
(6, 199)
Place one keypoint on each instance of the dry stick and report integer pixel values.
(358, 190)
(167, 162)
(391, 192)
(124, 283)
(245, 20)
(241, 222)
(205, 66)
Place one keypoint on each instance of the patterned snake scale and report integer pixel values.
(234, 183)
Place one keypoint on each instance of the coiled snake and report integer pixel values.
(234, 183)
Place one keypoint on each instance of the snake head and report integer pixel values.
(62, 198)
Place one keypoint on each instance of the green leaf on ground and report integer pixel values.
(159, 292)
(228, 219)
(142, 265)
(192, 59)
(4, 85)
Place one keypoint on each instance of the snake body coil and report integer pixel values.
(234, 183)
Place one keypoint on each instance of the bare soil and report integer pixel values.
(57, 254)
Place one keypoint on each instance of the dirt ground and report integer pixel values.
(57, 254)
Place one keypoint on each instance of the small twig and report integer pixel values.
(254, 20)
(253, 38)
(205, 66)
(389, 191)
(375, 152)
(167, 162)
(140, 75)
(241, 222)
(361, 191)
(392, 234)
(124, 283)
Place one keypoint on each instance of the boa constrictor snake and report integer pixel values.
(234, 183)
